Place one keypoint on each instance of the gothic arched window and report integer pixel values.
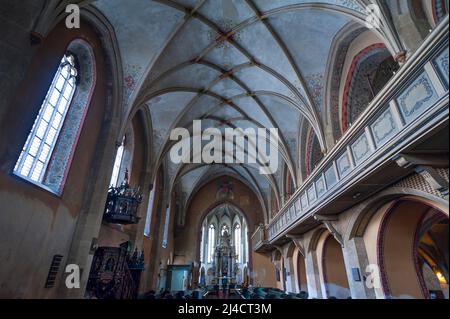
(166, 228)
(117, 164)
(211, 242)
(47, 154)
(245, 250)
(238, 242)
(202, 245)
(37, 151)
(148, 219)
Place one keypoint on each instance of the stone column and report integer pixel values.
(217, 268)
(291, 282)
(312, 275)
(356, 261)
(89, 220)
(229, 266)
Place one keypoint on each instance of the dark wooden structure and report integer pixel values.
(115, 273)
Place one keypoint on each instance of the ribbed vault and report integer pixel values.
(232, 63)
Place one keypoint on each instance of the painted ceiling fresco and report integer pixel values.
(248, 63)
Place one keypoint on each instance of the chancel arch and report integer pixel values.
(234, 204)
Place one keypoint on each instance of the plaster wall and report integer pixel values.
(399, 259)
(263, 271)
(112, 235)
(17, 19)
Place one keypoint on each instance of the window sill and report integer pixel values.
(37, 185)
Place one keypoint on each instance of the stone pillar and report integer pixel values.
(312, 275)
(356, 261)
(291, 282)
(217, 269)
(229, 266)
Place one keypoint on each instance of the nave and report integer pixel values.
(224, 149)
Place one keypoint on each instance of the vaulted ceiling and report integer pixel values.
(232, 63)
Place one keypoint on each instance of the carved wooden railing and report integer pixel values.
(259, 238)
(115, 273)
(414, 101)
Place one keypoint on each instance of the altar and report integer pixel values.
(224, 264)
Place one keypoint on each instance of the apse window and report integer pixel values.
(39, 147)
(202, 243)
(238, 242)
(211, 243)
